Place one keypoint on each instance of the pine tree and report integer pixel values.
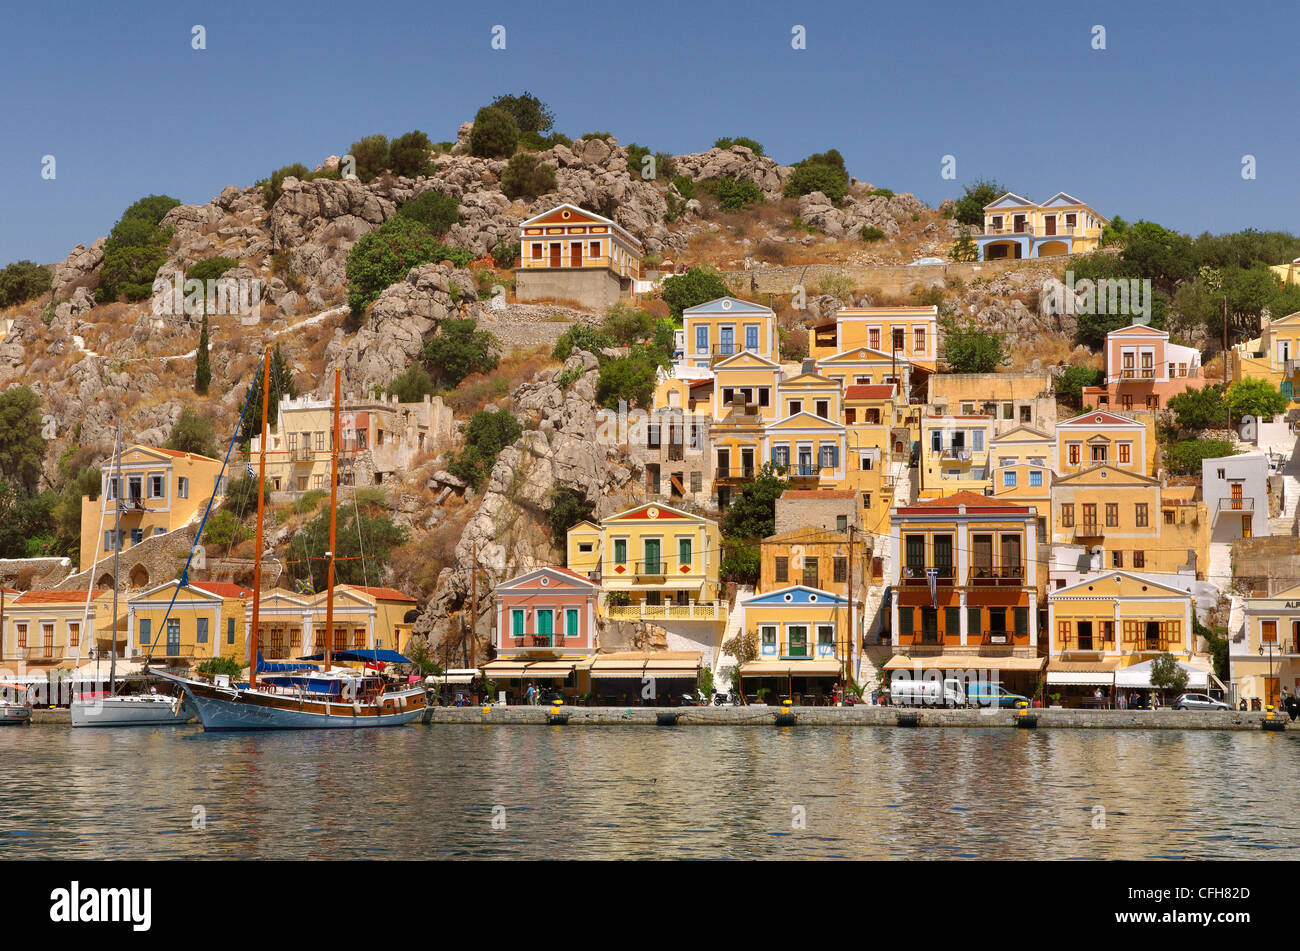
(202, 368)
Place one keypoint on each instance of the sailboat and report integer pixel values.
(294, 696)
(110, 708)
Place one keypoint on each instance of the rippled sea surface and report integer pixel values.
(648, 793)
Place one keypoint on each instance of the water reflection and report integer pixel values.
(636, 792)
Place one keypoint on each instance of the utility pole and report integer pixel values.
(473, 611)
(852, 636)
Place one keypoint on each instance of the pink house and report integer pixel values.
(1143, 370)
(550, 612)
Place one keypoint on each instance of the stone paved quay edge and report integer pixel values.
(854, 716)
(821, 716)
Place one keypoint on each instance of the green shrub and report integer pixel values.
(434, 210)
(580, 337)
(699, 285)
(458, 349)
(371, 155)
(408, 155)
(685, 186)
(241, 495)
(871, 233)
(221, 666)
(823, 172)
(209, 269)
(741, 562)
(383, 257)
(525, 177)
(880, 193)
(627, 379)
(495, 134)
(1184, 458)
(224, 529)
(568, 508)
(736, 194)
(530, 113)
(193, 433)
(23, 280)
(726, 143)
(626, 325)
(969, 208)
(569, 377)
(486, 434)
(540, 143)
(588, 136)
(272, 187)
(134, 250)
(505, 254)
(413, 385)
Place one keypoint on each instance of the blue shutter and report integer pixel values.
(230, 630)
(1286, 388)
(202, 634)
(144, 630)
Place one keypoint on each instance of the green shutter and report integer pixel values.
(1022, 621)
(1285, 387)
(905, 620)
(952, 617)
(973, 622)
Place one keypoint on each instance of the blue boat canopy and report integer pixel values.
(363, 656)
(265, 667)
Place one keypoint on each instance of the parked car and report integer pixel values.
(924, 262)
(930, 693)
(1198, 701)
(992, 695)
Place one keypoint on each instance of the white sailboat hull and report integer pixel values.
(148, 710)
(15, 714)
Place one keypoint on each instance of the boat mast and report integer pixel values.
(257, 558)
(117, 545)
(334, 493)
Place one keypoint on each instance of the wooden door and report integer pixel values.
(575, 254)
(555, 255)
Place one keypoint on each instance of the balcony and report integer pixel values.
(916, 575)
(1084, 530)
(1280, 649)
(1237, 506)
(301, 454)
(538, 640)
(997, 575)
(734, 473)
(956, 453)
(803, 470)
(673, 611)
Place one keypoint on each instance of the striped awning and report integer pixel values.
(964, 662)
(791, 668)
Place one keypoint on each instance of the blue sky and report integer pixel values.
(1155, 126)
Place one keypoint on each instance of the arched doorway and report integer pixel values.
(105, 581)
(139, 577)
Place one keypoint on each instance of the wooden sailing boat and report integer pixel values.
(303, 697)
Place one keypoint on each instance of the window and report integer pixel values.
(865, 463)
(1220, 474)
(824, 409)
(1124, 450)
(1009, 479)
(683, 552)
(952, 622)
(137, 536)
(768, 634)
(160, 531)
(841, 523)
(810, 572)
(781, 569)
(751, 336)
(156, 483)
(319, 443)
(1036, 477)
(537, 250)
(973, 622)
(1067, 515)
(202, 634)
(1008, 410)
(702, 339)
(841, 566)
(825, 636)
(1026, 414)
(796, 406)
(1073, 453)
(1112, 514)
(873, 338)
(830, 456)
(918, 340)
(173, 637)
(230, 630)
(1267, 632)
(620, 551)
(1099, 453)
(1117, 559)
(697, 482)
(595, 249)
(1139, 559)
(977, 438)
(896, 339)
(1022, 622)
(1140, 511)
(1090, 514)
(145, 630)
(293, 442)
(109, 541)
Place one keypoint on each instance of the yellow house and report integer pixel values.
(745, 401)
(1273, 356)
(727, 326)
(902, 333)
(954, 454)
(1015, 227)
(811, 450)
(804, 640)
(569, 253)
(1133, 522)
(1023, 444)
(1287, 273)
(878, 446)
(161, 490)
(1012, 399)
(862, 366)
(1025, 483)
(206, 621)
(1104, 630)
(45, 629)
(653, 562)
(1099, 438)
(291, 625)
(1267, 658)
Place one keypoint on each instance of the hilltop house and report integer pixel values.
(570, 254)
(1273, 356)
(1015, 227)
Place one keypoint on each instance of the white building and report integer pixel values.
(1235, 489)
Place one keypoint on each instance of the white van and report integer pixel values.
(930, 693)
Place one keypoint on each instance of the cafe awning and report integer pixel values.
(791, 668)
(636, 665)
(549, 668)
(965, 662)
(1068, 673)
(503, 669)
(1139, 676)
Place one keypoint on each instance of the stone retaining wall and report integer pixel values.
(892, 280)
(854, 716)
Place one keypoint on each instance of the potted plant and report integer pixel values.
(1056, 701)
(759, 696)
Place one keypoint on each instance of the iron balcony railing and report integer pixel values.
(734, 472)
(1241, 506)
(919, 575)
(997, 575)
(672, 611)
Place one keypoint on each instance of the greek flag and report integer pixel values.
(249, 466)
(932, 576)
